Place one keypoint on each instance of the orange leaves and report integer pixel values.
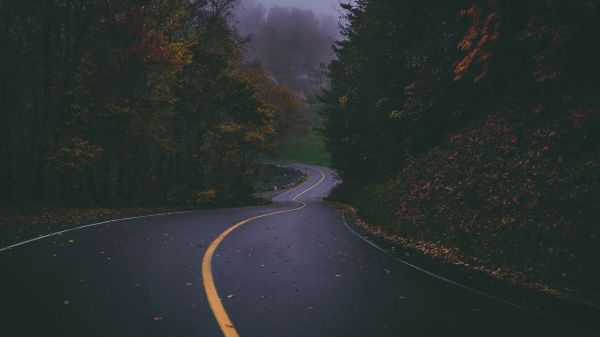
(473, 32)
(74, 154)
(151, 44)
(154, 48)
(478, 42)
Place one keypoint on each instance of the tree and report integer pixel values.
(128, 101)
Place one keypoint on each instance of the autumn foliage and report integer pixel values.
(130, 102)
(474, 125)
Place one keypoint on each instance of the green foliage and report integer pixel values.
(307, 146)
(475, 124)
(410, 72)
(131, 102)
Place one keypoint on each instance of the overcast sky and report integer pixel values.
(329, 7)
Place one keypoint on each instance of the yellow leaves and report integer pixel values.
(254, 136)
(118, 109)
(206, 196)
(229, 127)
(180, 53)
(397, 114)
(75, 153)
(343, 102)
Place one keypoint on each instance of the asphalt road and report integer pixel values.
(298, 272)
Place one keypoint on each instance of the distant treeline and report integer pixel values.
(130, 101)
(409, 73)
(290, 43)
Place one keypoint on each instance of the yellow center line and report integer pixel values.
(216, 305)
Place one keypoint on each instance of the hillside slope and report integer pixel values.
(512, 195)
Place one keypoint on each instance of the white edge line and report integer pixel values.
(299, 168)
(102, 223)
(473, 290)
(87, 226)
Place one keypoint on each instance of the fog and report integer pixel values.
(326, 7)
(291, 42)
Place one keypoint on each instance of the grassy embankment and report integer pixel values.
(307, 147)
(513, 196)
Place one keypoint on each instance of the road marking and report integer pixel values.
(467, 288)
(216, 305)
(87, 226)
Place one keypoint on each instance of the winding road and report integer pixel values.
(291, 269)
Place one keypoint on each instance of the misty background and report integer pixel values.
(292, 40)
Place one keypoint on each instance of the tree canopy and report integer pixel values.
(130, 101)
(408, 73)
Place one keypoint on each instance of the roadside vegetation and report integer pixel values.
(118, 108)
(20, 223)
(474, 126)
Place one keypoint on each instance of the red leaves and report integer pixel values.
(551, 38)
(579, 116)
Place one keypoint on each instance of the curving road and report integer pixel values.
(290, 269)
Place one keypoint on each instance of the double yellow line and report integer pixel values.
(216, 305)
